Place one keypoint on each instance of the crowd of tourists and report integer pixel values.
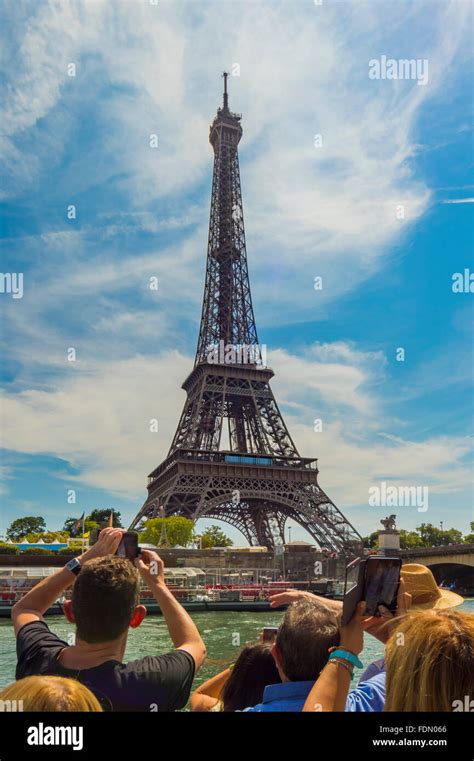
(428, 662)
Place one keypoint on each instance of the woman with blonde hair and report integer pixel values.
(430, 661)
(48, 693)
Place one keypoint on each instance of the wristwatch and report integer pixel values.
(74, 566)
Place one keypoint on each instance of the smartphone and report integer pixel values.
(382, 579)
(376, 580)
(128, 547)
(269, 633)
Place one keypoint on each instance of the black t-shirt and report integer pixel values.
(153, 683)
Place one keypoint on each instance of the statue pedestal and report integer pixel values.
(389, 543)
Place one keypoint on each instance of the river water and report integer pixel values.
(221, 631)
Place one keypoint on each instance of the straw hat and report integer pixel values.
(426, 595)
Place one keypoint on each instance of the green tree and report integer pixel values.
(215, 537)
(179, 530)
(69, 524)
(8, 549)
(36, 551)
(48, 537)
(410, 539)
(436, 537)
(23, 526)
(469, 538)
(90, 526)
(371, 541)
(101, 516)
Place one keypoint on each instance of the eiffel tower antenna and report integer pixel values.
(258, 480)
(225, 74)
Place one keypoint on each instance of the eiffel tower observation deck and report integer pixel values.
(232, 457)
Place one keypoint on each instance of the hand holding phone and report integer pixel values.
(128, 547)
(375, 580)
(269, 633)
(382, 577)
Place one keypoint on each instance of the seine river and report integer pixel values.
(221, 632)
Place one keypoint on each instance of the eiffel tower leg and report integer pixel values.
(268, 527)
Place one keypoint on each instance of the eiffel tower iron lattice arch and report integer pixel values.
(260, 480)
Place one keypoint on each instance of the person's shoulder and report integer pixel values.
(36, 646)
(372, 669)
(38, 631)
(32, 626)
(160, 664)
(375, 681)
(369, 695)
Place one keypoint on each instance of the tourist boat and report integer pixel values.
(16, 582)
(188, 585)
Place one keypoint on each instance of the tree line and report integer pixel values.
(173, 531)
(426, 535)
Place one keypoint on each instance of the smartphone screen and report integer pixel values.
(128, 547)
(269, 633)
(382, 577)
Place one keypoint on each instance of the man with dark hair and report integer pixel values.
(104, 599)
(104, 605)
(301, 651)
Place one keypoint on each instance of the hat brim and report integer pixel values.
(448, 599)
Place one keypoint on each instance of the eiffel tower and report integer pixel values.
(232, 457)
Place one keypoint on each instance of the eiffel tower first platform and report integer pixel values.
(251, 474)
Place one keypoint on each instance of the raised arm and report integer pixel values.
(181, 627)
(36, 602)
(286, 598)
(208, 693)
(329, 692)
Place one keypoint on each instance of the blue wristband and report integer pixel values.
(347, 656)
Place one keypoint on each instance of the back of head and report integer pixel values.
(430, 661)
(104, 597)
(253, 670)
(308, 630)
(48, 693)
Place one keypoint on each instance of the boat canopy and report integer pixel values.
(26, 572)
(189, 572)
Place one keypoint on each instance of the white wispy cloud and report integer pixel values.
(98, 420)
(459, 200)
(310, 210)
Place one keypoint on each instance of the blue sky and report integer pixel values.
(331, 210)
